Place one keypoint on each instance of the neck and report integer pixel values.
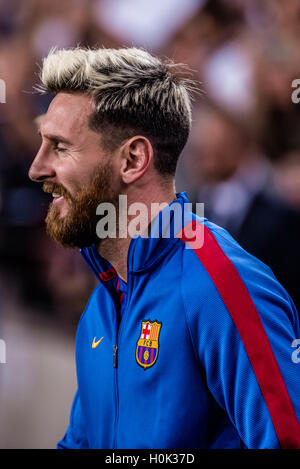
(115, 250)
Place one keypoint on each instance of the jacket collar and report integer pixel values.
(145, 253)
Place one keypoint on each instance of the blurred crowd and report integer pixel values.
(242, 159)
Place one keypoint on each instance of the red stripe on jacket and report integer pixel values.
(253, 335)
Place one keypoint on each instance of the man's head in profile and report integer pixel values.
(117, 125)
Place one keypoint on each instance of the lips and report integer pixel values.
(57, 198)
(60, 197)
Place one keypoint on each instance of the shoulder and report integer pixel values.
(217, 268)
(210, 250)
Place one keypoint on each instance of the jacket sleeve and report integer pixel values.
(75, 436)
(243, 324)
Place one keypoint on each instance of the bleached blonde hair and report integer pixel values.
(134, 93)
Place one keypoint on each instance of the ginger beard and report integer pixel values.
(78, 227)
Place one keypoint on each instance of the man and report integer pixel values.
(183, 344)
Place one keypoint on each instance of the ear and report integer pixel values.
(137, 155)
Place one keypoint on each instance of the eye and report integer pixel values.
(59, 149)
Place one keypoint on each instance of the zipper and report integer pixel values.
(115, 365)
(116, 348)
(115, 355)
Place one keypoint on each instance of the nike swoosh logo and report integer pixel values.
(95, 344)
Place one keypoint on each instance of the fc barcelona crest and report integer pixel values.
(147, 346)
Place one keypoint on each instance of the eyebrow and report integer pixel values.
(55, 138)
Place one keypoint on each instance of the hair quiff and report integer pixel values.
(134, 93)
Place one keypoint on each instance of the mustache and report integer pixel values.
(53, 187)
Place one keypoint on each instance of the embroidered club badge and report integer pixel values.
(147, 346)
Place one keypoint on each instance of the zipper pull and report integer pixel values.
(115, 356)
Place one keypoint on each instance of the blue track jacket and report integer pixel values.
(204, 355)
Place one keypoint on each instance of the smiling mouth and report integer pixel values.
(57, 197)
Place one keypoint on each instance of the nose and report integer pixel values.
(42, 167)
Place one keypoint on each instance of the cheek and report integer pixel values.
(70, 178)
(75, 174)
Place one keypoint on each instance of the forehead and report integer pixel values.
(67, 114)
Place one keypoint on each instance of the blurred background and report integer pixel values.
(242, 160)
